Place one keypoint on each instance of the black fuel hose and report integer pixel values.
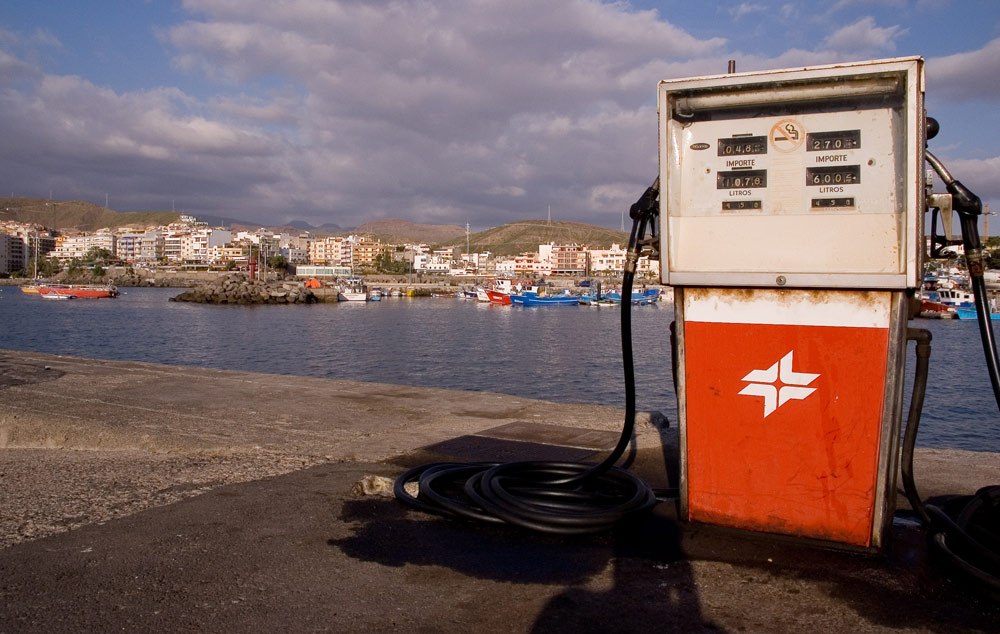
(968, 538)
(564, 498)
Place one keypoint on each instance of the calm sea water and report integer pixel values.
(563, 354)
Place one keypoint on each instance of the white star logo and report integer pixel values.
(792, 384)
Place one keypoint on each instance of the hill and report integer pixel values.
(526, 235)
(396, 230)
(509, 239)
(67, 215)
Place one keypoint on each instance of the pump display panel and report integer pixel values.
(808, 176)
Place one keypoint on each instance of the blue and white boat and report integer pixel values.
(967, 312)
(533, 296)
(648, 296)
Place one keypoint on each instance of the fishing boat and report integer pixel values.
(499, 292)
(969, 312)
(953, 298)
(648, 296)
(535, 296)
(90, 291)
(352, 290)
(498, 297)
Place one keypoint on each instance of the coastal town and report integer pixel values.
(193, 245)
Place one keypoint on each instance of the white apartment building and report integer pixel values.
(294, 248)
(196, 243)
(129, 245)
(563, 259)
(436, 265)
(229, 252)
(12, 254)
(151, 247)
(524, 264)
(607, 260)
(612, 261)
(69, 247)
(477, 261)
(418, 262)
(172, 247)
(295, 255)
(330, 250)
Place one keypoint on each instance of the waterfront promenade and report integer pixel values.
(149, 498)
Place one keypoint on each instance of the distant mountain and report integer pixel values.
(66, 215)
(326, 227)
(526, 235)
(396, 230)
(223, 221)
(509, 239)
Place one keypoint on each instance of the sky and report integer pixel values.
(434, 111)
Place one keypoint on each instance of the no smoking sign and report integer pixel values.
(787, 135)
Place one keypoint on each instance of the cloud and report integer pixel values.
(746, 8)
(980, 175)
(13, 70)
(864, 38)
(446, 100)
(974, 75)
(432, 110)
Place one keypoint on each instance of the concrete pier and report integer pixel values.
(151, 498)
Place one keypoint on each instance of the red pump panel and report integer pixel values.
(783, 426)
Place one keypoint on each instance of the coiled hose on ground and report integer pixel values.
(565, 498)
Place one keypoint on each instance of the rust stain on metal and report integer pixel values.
(789, 296)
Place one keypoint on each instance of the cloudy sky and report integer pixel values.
(435, 111)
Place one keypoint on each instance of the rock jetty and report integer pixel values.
(239, 289)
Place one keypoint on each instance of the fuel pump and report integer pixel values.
(788, 216)
(791, 206)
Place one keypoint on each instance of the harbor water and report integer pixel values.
(563, 353)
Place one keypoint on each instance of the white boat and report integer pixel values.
(953, 297)
(57, 295)
(352, 290)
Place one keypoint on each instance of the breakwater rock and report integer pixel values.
(239, 289)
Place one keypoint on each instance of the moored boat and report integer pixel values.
(953, 297)
(535, 296)
(57, 295)
(90, 291)
(647, 296)
(499, 291)
(352, 290)
(497, 297)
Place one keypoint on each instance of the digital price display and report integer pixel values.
(833, 203)
(741, 179)
(740, 205)
(839, 175)
(743, 146)
(828, 141)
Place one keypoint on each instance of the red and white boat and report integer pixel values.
(499, 291)
(93, 291)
